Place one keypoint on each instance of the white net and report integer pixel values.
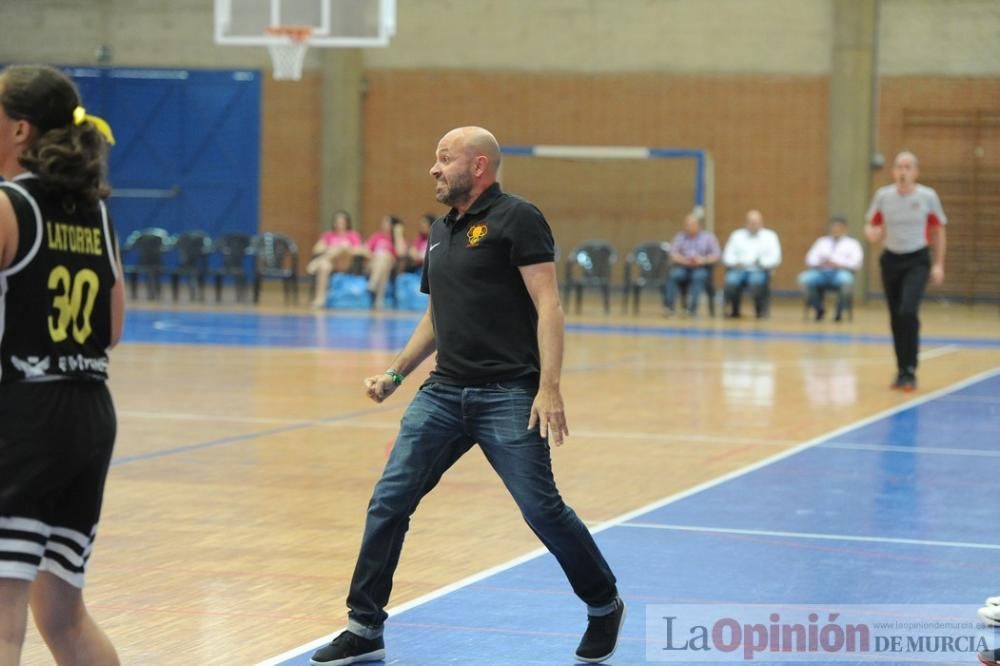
(287, 56)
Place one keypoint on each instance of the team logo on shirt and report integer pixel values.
(32, 366)
(477, 233)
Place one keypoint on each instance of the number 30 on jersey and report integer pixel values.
(73, 298)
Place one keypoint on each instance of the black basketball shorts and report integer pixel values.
(56, 440)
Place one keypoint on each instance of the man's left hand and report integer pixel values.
(937, 275)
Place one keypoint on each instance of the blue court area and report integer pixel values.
(898, 510)
(364, 332)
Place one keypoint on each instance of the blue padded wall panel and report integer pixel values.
(188, 146)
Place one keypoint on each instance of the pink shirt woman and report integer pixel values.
(384, 247)
(381, 241)
(347, 238)
(334, 251)
(419, 246)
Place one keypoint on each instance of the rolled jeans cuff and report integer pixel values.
(606, 609)
(366, 632)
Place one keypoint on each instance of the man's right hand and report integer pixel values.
(380, 387)
(874, 233)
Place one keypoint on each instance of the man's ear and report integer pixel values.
(482, 164)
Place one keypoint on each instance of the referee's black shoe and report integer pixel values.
(905, 381)
(601, 638)
(348, 648)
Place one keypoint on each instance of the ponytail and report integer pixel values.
(69, 159)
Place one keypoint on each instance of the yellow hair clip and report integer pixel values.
(80, 116)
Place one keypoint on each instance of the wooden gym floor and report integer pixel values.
(247, 452)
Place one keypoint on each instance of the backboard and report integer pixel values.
(334, 23)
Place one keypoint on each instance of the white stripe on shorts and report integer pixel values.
(79, 538)
(18, 570)
(72, 577)
(71, 555)
(24, 525)
(21, 546)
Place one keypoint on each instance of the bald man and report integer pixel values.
(495, 321)
(908, 219)
(751, 253)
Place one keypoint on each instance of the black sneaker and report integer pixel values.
(601, 638)
(990, 657)
(905, 382)
(348, 648)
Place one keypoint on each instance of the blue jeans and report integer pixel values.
(693, 277)
(815, 281)
(439, 426)
(756, 279)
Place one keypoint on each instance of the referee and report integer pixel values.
(908, 218)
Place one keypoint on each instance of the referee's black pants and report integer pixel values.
(904, 278)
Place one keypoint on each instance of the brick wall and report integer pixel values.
(767, 134)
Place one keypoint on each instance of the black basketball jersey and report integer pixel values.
(55, 298)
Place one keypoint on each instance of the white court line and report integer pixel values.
(933, 450)
(469, 580)
(814, 535)
(938, 351)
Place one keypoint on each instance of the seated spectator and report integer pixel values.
(417, 250)
(831, 263)
(750, 255)
(383, 249)
(692, 254)
(333, 252)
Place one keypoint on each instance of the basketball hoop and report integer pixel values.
(288, 52)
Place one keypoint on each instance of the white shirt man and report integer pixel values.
(747, 250)
(750, 255)
(831, 263)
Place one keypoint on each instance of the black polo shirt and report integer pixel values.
(485, 322)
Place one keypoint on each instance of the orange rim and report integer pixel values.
(297, 33)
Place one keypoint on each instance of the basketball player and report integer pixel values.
(907, 217)
(61, 309)
(496, 323)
